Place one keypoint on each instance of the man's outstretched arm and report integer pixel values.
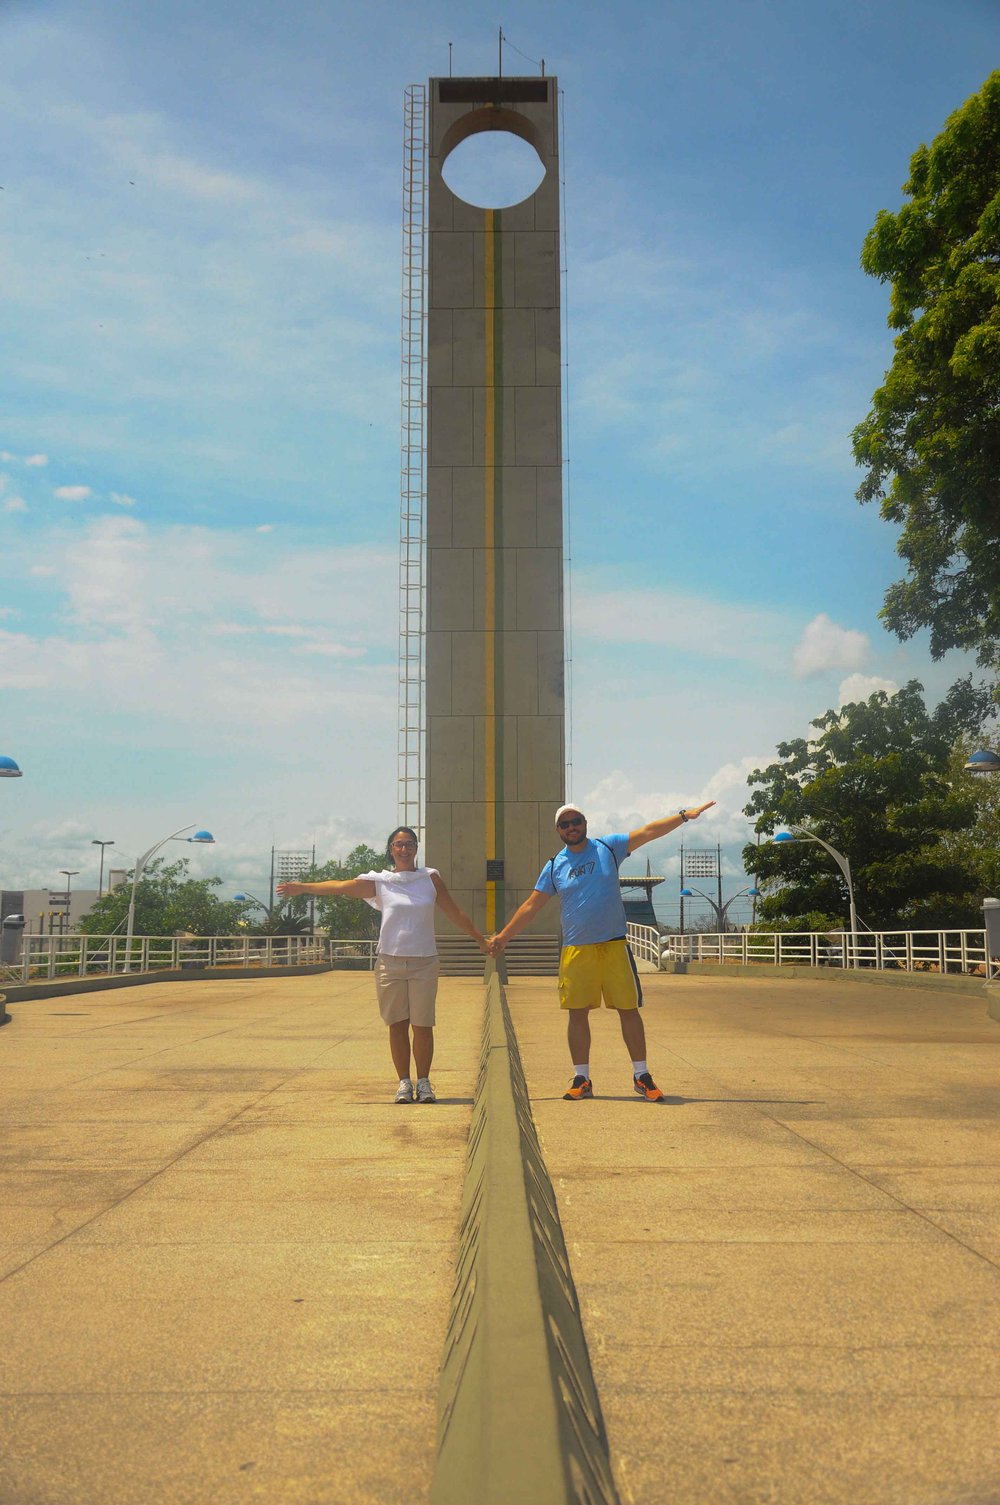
(535, 901)
(657, 828)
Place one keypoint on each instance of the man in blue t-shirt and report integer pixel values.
(595, 961)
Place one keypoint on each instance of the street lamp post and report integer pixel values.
(204, 837)
(69, 875)
(721, 910)
(799, 833)
(100, 881)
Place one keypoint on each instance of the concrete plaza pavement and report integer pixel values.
(789, 1272)
(226, 1257)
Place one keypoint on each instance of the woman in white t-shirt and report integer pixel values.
(406, 969)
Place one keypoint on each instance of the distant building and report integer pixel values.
(43, 914)
(639, 907)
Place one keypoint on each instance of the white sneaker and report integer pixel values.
(405, 1093)
(425, 1092)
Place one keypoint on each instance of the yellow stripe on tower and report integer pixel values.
(489, 557)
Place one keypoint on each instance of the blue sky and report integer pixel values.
(199, 399)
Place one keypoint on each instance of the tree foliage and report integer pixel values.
(979, 844)
(931, 443)
(167, 902)
(877, 785)
(349, 919)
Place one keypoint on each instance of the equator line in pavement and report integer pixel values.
(518, 1413)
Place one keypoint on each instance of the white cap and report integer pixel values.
(568, 810)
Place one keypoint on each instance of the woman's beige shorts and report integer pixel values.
(407, 988)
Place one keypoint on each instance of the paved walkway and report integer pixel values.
(790, 1271)
(228, 1255)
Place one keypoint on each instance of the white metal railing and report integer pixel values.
(945, 951)
(52, 956)
(645, 943)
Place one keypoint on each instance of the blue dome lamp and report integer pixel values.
(9, 769)
(983, 761)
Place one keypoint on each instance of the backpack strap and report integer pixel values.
(601, 843)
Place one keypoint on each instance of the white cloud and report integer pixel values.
(6, 457)
(15, 504)
(42, 569)
(332, 650)
(121, 499)
(155, 626)
(73, 493)
(824, 645)
(860, 686)
(670, 619)
(36, 460)
(615, 804)
(266, 528)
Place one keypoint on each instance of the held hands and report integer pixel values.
(495, 946)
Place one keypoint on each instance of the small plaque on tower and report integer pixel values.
(494, 869)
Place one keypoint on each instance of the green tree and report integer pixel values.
(349, 919)
(931, 443)
(979, 844)
(876, 783)
(167, 902)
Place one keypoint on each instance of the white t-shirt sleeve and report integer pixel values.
(376, 878)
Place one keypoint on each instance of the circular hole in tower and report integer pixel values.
(493, 169)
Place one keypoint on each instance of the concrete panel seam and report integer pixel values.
(519, 1417)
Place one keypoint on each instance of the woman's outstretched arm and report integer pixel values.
(347, 888)
(457, 916)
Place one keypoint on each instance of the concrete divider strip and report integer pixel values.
(518, 1413)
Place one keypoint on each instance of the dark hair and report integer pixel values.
(392, 837)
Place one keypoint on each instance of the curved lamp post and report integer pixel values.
(242, 898)
(799, 833)
(202, 837)
(983, 761)
(721, 910)
(9, 769)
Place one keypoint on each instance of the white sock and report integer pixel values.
(405, 1081)
(422, 1079)
(583, 1070)
(638, 1067)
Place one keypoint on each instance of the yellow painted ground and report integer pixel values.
(226, 1255)
(790, 1271)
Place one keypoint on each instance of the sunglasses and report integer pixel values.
(574, 820)
(404, 846)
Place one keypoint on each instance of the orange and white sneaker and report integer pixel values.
(647, 1088)
(581, 1086)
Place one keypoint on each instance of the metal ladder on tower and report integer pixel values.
(413, 465)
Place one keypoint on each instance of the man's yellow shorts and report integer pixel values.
(604, 970)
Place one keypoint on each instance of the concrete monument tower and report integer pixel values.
(494, 649)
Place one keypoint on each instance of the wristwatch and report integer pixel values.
(684, 815)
